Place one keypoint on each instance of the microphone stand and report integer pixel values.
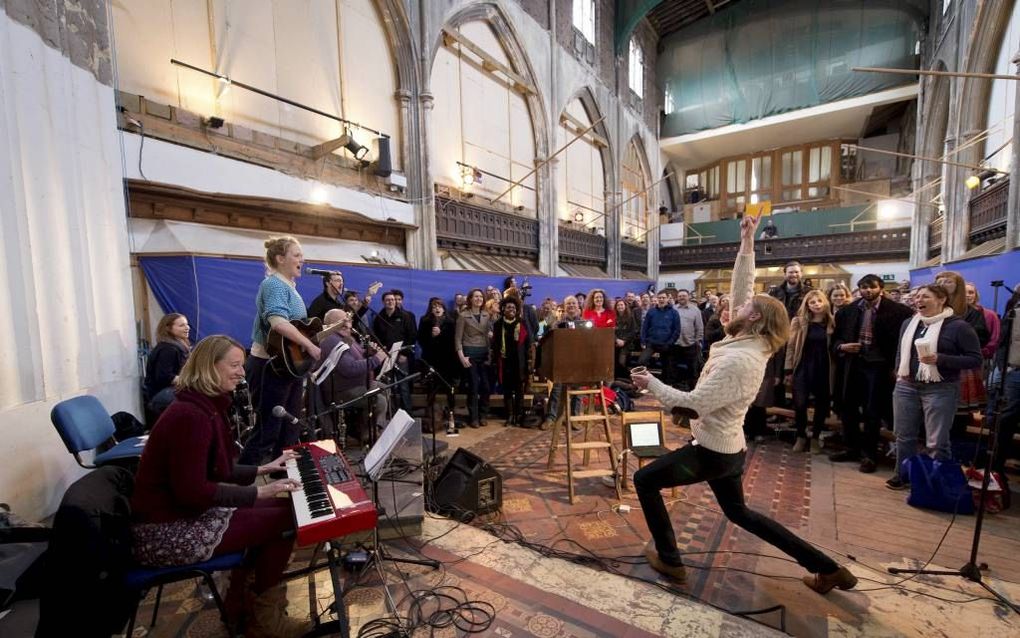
(972, 569)
(432, 372)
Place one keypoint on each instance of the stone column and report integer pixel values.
(1013, 205)
(548, 218)
(614, 233)
(422, 252)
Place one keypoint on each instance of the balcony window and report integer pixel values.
(636, 69)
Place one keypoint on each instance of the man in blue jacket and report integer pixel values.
(659, 330)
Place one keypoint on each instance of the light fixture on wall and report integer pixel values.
(357, 150)
(469, 175)
(213, 122)
(972, 182)
(975, 181)
(579, 216)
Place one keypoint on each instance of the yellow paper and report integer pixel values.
(761, 209)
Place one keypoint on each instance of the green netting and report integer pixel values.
(757, 58)
(799, 224)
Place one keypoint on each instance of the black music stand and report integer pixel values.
(376, 463)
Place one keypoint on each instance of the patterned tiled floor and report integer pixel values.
(831, 505)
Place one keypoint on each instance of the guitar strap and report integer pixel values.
(329, 364)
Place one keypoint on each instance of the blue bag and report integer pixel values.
(938, 485)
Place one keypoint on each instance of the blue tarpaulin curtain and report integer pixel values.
(982, 271)
(218, 294)
(757, 58)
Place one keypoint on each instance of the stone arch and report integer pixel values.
(591, 108)
(990, 26)
(648, 176)
(935, 105)
(508, 38)
(642, 153)
(403, 47)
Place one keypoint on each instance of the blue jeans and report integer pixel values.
(932, 405)
(479, 389)
(1010, 415)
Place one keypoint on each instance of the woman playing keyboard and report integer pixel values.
(192, 502)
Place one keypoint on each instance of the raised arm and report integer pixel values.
(742, 281)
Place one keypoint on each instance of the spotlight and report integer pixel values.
(972, 182)
(355, 149)
(578, 216)
(470, 175)
(213, 122)
(319, 195)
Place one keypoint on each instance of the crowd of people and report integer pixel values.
(915, 361)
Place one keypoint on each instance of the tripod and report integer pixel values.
(971, 570)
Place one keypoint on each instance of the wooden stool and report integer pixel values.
(591, 415)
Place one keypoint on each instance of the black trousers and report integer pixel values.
(687, 362)
(868, 394)
(694, 464)
(271, 433)
(665, 360)
(806, 388)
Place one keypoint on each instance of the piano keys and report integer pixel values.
(331, 501)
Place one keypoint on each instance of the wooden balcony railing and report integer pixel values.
(582, 247)
(988, 212)
(935, 236)
(467, 226)
(860, 245)
(634, 256)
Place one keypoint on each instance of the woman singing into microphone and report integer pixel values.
(277, 303)
(733, 373)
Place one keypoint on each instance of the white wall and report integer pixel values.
(65, 275)
(581, 183)
(331, 55)
(481, 121)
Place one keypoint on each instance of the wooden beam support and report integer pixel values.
(492, 65)
(320, 151)
(576, 126)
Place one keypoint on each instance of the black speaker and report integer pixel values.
(468, 486)
(383, 165)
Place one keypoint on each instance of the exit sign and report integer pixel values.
(888, 277)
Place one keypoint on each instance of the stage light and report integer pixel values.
(319, 195)
(470, 175)
(578, 216)
(213, 122)
(972, 182)
(355, 149)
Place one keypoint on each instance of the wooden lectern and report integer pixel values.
(578, 357)
(570, 359)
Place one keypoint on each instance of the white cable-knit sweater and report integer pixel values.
(729, 381)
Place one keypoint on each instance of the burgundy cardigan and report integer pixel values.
(188, 465)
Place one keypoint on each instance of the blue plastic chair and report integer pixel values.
(141, 579)
(84, 424)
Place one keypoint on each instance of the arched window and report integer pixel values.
(634, 212)
(1002, 101)
(481, 121)
(636, 68)
(581, 175)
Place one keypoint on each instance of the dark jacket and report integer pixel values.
(976, 319)
(714, 330)
(165, 363)
(1006, 332)
(958, 349)
(439, 351)
(791, 299)
(323, 304)
(398, 327)
(626, 329)
(661, 327)
(886, 330)
(516, 351)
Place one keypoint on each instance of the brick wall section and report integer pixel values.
(76, 28)
(605, 22)
(537, 9)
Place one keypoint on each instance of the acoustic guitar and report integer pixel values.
(287, 357)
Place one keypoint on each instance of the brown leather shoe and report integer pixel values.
(676, 572)
(823, 583)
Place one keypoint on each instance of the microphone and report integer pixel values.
(280, 412)
(320, 271)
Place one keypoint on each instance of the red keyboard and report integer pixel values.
(332, 502)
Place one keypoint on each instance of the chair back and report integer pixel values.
(83, 423)
(629, 418)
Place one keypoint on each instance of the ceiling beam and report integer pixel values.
(711, 7)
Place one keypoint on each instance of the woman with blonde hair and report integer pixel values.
(809, 366)
(192, 502)
(277, 304)
(165, 362)
(839, 296)
(728, 385)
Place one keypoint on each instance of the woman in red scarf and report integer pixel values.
(511, 344)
